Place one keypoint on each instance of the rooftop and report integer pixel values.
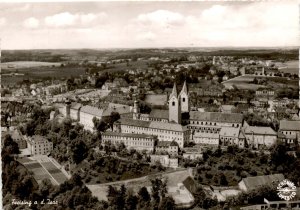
(216, 117)
(37, 138)
(258, 181)
(120, 108)
(92, 110)
(132, 122)
(168, 126)
(289, 125)
(229, 131)
(260, 130)
(159, 113)
(75, 105)
(166, 143)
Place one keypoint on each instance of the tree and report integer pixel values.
(131, 201)
(143, 195)
(79, 151)
(99, 125)
(167, 203)
(223, 180)
(10, 146)
(159, 190)
(114, 116)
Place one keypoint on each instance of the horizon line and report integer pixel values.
(132, 48)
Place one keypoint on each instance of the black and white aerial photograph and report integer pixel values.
(150, 105)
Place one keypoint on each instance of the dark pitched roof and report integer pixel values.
(167, 126)
(132, 122)
(92, 110)
(257, 181)
(120, 108)
(260, 130)
(216, 117)
(159, 113)
(166, 143)
(289, 125)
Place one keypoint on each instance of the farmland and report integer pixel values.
(26, 64)
(41, 73)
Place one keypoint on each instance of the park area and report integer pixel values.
(43, 168)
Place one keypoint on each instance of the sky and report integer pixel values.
(155, 24)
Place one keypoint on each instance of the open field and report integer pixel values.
(41, 72)
(292, 67)
(142, 64)
(26, 64)
(244, 82)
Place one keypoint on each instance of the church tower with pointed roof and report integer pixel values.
(184, 99)
(174, 106)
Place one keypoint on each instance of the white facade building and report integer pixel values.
(87, 113)
(39, 145)
(130, 140)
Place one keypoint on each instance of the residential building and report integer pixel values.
(38, 145)
(130, 140)
(291, 131)
(167, 147)
(192, 153)
(18, 138)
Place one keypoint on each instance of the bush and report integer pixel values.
(208, 175)
(244, 174)
(253, 172)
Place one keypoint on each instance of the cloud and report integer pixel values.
(67, 19)
(31, 23)
(161, 17)
(149, 36)
(24, 8)
(2, 21)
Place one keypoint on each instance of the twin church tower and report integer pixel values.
(178, 104)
